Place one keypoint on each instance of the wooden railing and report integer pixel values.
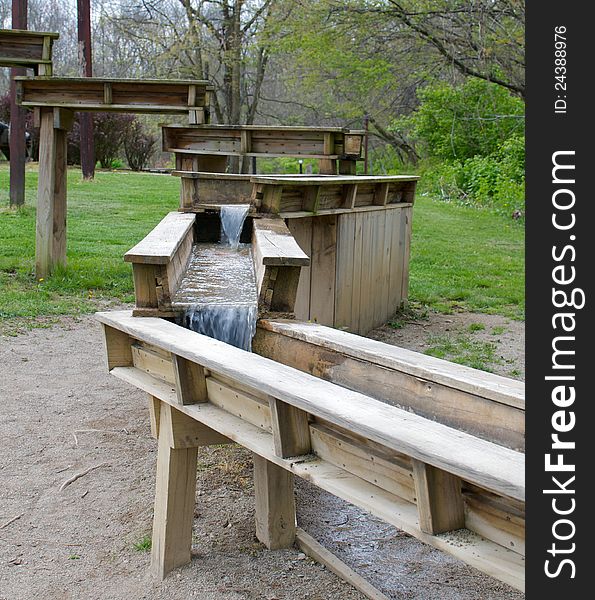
(417, 474)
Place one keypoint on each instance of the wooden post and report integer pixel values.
(179, 439)
(327, 166)
(17, 119)
(291, 433)
(50, 247)
(87, 147)
(439, 499)
(274, 504)
(174, 499)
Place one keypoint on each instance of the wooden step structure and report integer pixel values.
(28, 49)
(455, 491)
(55, 100)
(206, 147)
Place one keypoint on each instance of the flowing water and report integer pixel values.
(218, 294)
(232, 221)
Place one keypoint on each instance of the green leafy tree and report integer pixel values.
(460, 122)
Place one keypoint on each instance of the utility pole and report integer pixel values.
(86, 70)
(17, 119)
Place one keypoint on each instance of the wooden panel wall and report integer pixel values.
(359, 267)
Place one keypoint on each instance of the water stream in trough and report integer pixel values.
(218, 292)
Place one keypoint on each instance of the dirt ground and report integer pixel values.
(62, 414)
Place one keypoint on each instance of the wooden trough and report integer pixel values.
(28, 49)
(160, 260)
(356, 231)
(206, 147)
(456, 491)
(157, 96)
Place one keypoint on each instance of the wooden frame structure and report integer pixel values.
(28, 49)
(160, 260)
(206, 147)
(55, 100)
(435, 482)
(355, 230)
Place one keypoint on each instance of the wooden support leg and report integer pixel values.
(439, 499)
(50, 249)
(275, 504)
(174, 499)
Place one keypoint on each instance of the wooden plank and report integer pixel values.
(154, 415)
(174, 505)
(155, 363)
(271, 199)
(107, 93)
(473, 413)
(478, 552)
(322, 270)
(160, 245)
(349, 195)
(240, 403)
(357, 274)
(297, 214)
(274, 504)
(331, 180)
(311, 198)
(301, 229)
(487, 465)
(274, 245)
(181, 431)
(346, 453)
(396, 263)
(408, 214)
(290, 429)
(344, 284)
(367, 296)
(495, 523)
(117, 347)
(145, 285)
(439, 500)
(385, 311)
(379, 271)
(381, 194)
(509, 392)
(191, 386)
(308, 545)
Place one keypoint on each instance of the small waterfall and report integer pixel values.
(232, 324)
(218, 292)
(232, 221)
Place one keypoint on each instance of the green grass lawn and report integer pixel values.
(106, 217)
(462, 258)
(466, 259)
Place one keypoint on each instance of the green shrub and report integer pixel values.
(458, 123)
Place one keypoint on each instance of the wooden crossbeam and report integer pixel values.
(158, 96)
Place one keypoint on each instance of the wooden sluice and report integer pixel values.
(430, 447)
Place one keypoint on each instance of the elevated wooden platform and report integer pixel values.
(435, 482)
(29, 49)
(158, 96)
